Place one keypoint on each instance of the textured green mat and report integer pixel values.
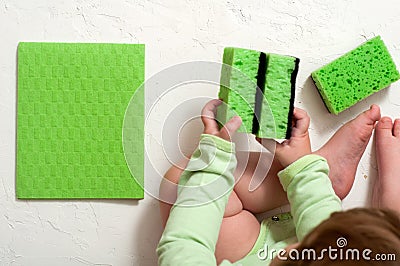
(71, 103)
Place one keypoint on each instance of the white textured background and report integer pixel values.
(126, 232)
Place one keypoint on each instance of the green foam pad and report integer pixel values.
(279, 91)
(238, 86)
(266, 111)
(355, 75)
(71, 103)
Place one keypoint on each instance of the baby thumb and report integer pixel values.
(230, 128)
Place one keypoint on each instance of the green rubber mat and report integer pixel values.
(72, 99)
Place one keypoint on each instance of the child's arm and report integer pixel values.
(192, 229)
(310, 193)
(305, 179)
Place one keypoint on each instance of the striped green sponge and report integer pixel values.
(260, 89)
(356, 75)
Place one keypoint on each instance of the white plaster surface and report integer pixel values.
(114, 232)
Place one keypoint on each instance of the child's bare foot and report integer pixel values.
(345, 148)
(387, 188)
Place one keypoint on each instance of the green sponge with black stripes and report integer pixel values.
(279, 92)
(355, 75)
(260, 88)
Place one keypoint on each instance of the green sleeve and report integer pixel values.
(310, 193)
(193, 225)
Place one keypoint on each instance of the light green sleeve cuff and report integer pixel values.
(287, 174)
(213, 156)
(218, 142)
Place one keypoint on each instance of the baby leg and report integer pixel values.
(343, 152)
(387, 188)
(269, 194)
(346, 147)
(239, 229)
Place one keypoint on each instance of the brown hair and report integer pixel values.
(351, 232)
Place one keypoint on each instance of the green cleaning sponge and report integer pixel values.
(279, 91)
(266, 111)
(355, 75)
(238, 86)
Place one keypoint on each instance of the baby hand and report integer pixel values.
(299, 143)
(210, 125)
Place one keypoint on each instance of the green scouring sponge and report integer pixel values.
(260, 88)
(238, 86)
(279, 91)
(355, 75)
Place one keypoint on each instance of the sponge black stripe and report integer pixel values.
(292, 94)
(262, 67)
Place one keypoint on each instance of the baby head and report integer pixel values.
(355, 237)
